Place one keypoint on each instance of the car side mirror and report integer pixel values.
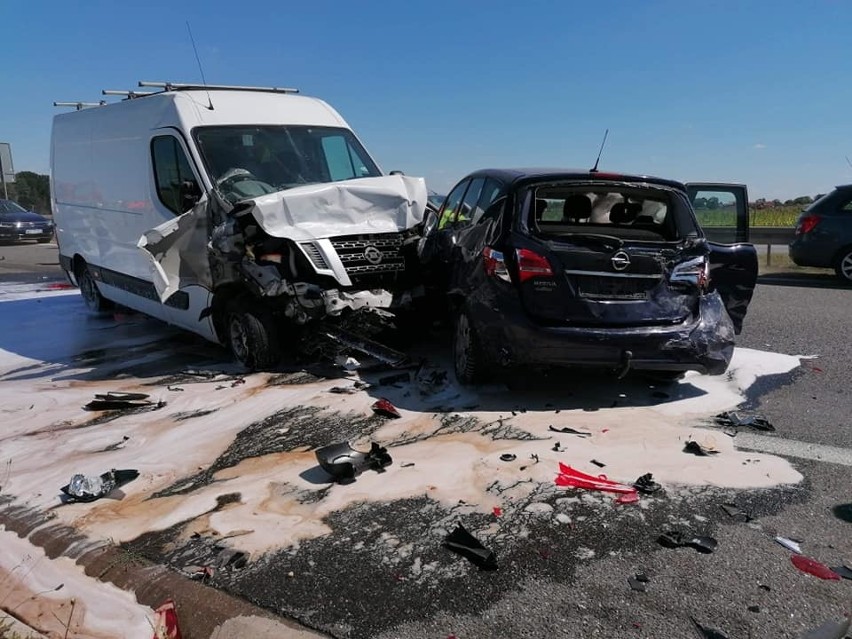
(190, 193)
(397, 173)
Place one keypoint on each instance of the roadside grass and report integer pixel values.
(779, 216)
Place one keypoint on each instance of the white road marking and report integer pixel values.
(794, 448)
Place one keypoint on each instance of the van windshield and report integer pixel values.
(250, 161)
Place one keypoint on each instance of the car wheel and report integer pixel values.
(467, 355)
(843, 265)
(92, 297)
(252, 338)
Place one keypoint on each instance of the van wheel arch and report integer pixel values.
(92, 297)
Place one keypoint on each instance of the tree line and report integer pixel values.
(32, 191)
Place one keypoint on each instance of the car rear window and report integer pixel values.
(625, 212)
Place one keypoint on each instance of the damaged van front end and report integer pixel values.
(293, 257)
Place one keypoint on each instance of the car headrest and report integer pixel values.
(540, 207)
(577, 207)
(618, 213)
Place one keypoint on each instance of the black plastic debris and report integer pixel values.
(570, 431)
(386, 409)
(344, 463)
(699, 449)
(646, 484)
(508, 457)
(706, 632)
(120, 401)
(597, 463)
(738, 420)
(462, 542)
(86, 488)
(676, 539)
(829, 630)
(734, 512)
(843, 571)
(343, 390)
(639, 582)
(753, 608)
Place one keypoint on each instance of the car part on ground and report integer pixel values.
(737, 419)
(813, 567)
(678, 539)
(384, 408)
(646, 484)
(462, 542)
(86, 488)
(119, 401)
(344, 463)
(570, 268)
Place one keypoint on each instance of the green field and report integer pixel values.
(726, 216)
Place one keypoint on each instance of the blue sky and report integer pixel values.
(748, 91)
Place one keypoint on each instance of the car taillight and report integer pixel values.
(693, 272)
(807, 224)
(532, 265)
(495, 265)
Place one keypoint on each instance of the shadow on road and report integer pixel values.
(813, 280)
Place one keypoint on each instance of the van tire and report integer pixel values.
(252, 338)
(92, 297)
(467, 355)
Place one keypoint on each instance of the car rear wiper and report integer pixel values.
(594, 239)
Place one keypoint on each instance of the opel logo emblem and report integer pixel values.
(372, 255)
(620, 261)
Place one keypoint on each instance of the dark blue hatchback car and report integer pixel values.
(824, 234)
(16, 223)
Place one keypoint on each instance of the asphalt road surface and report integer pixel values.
(747, 588)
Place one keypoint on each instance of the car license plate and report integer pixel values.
(33, 232)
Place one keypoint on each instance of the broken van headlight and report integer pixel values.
(693, 272)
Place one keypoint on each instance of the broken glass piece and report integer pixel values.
(344, 463)
(708, 633)
(570, 431)
(813, 567)
(737, 420)
(462, 542)
(646, 484)
(789, 544)
(736, 513)
(676, 539)
(385, 408)
(87, 488)
(829, 630)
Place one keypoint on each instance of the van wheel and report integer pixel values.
(92, 297)
(843, 265)
(253, 339)
(467, 355)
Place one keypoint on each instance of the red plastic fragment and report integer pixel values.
(385, 408)
(816, 369)
(605, 430)
(813, 567)
(574, 478)
(628, 498)
(58, 286)
(166, 621)
(498, 512)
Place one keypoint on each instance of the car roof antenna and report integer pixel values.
(594, 169)
(200, 68)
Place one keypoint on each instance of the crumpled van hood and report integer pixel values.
(386, 204)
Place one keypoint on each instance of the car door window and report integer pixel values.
(171, 170)
(464, 215)
(451, 205)
(717, 213)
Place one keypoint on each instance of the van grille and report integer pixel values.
(370, 258)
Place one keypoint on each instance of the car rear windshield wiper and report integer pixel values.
(594, 239)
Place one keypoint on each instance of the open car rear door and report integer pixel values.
(722, 211)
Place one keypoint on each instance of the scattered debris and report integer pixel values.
(628, 498)
(639, 582)
(120, 401)
(166, 621)
(843, 571)
(790, 544)
(556, 448)
(86, 488)
(238, 382)
(347, 363)
(676, 539)
(574, 478)
(385, 408)
(753, 608)
(646, 484)
(462, 542)
(830, 630)
(343, 390)
(707, 633)
(737, 420)
(406, 465)
(735, 512)
(534, 459)
(497, 511)
(597, 463)
(344, 463)
(570, 431)
(174, 389)
(813, 567)
(701, 449)
(508, 457)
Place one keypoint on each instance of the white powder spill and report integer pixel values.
(282, 501)
(28, 589)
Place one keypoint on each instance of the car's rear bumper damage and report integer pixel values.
(704, 343)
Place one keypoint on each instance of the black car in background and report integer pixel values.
(16, 223)
(584, 268)
(824, 234)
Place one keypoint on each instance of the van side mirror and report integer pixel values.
(190, 193)
(397, 173)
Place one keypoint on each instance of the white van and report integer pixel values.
(230, 212)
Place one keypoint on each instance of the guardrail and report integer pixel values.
(769, 235)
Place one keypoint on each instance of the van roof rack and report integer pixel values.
(80, 105)
(128, 95)
(175, 86)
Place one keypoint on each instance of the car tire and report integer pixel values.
(843, 265)
(92, 297)
(253, 339)
(467, 355)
